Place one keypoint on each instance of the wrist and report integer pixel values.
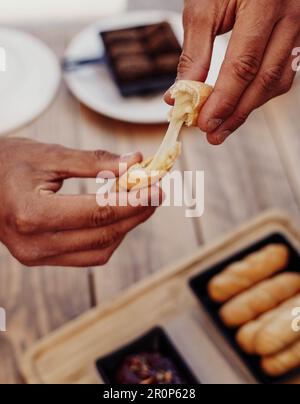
(2, 147)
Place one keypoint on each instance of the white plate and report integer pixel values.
(30, 80)
(93, 85)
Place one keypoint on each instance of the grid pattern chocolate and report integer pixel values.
(143, 60)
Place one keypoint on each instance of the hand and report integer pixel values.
(258, 63)
(41, 227)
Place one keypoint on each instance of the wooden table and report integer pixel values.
(255, 170)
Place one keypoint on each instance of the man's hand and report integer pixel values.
(41, 227)
(258, 63)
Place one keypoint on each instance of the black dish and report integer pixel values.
(132, 56)
(155, 341)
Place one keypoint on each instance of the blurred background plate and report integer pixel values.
(93, 85)
(30, 80)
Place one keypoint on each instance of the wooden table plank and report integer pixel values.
(247, 175)
(250, 173)
(174, 5)
(39, 300)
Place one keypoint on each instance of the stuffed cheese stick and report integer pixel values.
(283, 362)
(246, 334)
(259, 299)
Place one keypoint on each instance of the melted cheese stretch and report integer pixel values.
(183, 106)
(189, 98)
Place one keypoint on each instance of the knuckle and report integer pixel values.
(190, 17)
(27, 262)
(55, 150)
(102, 260)
(100, 154)
(24, 221)
(185, 63)
(105, 258)
(293, 18)
(95, 245)
(270, 78)
(103, 155)
(285, 87)
(104, 216)
(23, 255)
(194, 16)
(226, 105)
(246, 67)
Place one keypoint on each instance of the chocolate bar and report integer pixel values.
(150, 359)
(131, 48)
(133, 67)
(142, 59)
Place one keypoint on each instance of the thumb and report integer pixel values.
(198, 43)
(88, 164)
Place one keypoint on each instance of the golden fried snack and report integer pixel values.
(282, 362)
(246, 335)
(141, 176)
(275, 335)
(189, 97)
(259, 299)
(241, 275)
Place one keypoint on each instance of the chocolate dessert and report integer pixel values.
(142, 59)
(148, 368)
(161, 38)
(131, 48)
(135, 67)
(167, 63)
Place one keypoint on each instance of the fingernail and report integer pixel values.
(222, 136)
(213, 124)
(128, 156)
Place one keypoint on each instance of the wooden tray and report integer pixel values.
(69, 354)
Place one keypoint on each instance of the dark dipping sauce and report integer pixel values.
(148, 368)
